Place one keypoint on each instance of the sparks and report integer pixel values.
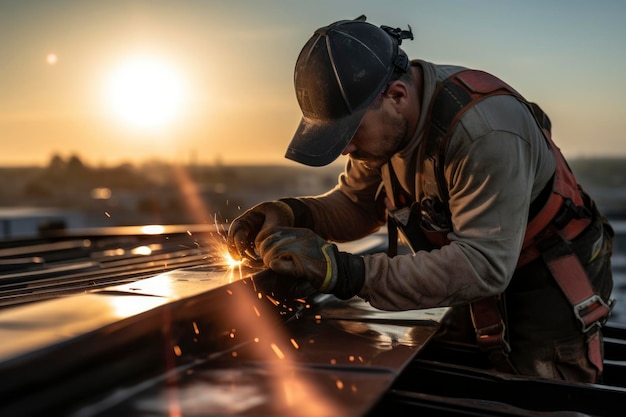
(277, 351)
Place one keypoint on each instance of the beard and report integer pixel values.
(390, 144)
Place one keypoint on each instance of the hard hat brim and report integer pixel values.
(317, 142)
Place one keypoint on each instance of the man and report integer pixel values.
(467, 171)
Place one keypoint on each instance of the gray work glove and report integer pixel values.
(303, 254)
(245, 228)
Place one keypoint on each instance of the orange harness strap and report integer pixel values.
(560, 218)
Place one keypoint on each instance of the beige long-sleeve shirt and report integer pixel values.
(497, 161)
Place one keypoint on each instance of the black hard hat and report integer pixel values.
(338, 75)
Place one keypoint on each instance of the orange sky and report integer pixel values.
(228, 65)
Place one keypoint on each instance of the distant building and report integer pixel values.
(25, 222)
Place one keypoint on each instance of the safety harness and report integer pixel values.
(558, 220)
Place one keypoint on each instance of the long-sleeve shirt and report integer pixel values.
(496, 163)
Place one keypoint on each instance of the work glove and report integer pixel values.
(301, 253)
(245, 228)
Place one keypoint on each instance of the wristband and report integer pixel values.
(351, 274)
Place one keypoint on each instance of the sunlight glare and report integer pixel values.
(152, 229)
(141, 250)
(146, 93)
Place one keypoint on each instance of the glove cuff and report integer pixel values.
(303, 217)
(351, 274)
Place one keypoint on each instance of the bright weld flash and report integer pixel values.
(230, 261)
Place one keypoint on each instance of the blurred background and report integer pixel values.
(137, 111)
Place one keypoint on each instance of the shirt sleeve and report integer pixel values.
(351, 210)
(490, 174)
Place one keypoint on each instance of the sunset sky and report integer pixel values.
(201, 81)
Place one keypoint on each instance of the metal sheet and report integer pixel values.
(331, 358)
(205, 341)
(27, 329)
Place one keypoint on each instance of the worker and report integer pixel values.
(464, 170)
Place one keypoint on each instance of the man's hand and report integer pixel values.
(244, 229)
(303, 254)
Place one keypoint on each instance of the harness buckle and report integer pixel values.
(592, 312)
(568, 212)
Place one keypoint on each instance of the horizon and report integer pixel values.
(136, 80)
(337, 164)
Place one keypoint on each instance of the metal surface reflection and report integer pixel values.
(206, 337)
(179, 330)
(267, 346)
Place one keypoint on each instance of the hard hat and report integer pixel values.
(338, 75)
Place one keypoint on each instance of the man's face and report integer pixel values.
(380, 135)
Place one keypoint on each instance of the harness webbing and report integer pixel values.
(562, 218)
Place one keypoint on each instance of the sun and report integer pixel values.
(146, 93)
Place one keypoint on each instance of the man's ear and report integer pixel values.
(397, 91)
